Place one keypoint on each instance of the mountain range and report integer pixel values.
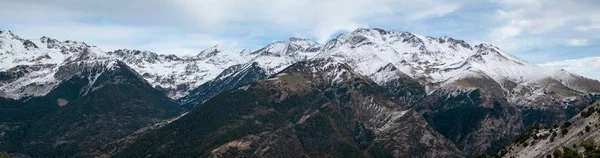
(364, 92)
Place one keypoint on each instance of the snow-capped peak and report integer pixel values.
(306, 43)
(484, 49)
(221, 56)
(140, 57)
(288, 47)
(6, 33)
(212, 51)
(276, 56)
(33, 67)
(246, 52)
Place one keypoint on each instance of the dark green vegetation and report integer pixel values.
(460, 116)
(456, 116)
(590, 151)
(119, 104)
(589, 112)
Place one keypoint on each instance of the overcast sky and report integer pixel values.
(540, 31)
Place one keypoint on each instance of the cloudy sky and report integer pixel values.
(550, 32)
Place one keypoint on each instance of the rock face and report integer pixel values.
(314, 108)
(546, 140)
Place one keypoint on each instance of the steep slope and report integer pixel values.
(93, 106)
(314, 108)
(543, 141)
(230, 78)
(475, 123)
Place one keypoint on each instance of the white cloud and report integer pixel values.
(587, 67)
(318, 19)
(593, 25)
(434, 11)
(506, 31)
(80, 31)
(549, 21)
(578, 42)
(107, 37)
(189, 44)
(589, 27)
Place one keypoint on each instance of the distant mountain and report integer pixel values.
(279, 55)
(33, 67)
(178, 75)
(587, 66)
(315, 108)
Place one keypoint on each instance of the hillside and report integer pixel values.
(315, 108)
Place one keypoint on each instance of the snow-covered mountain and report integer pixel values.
(587, 67)
(277, 56)
(178, 75)
(28, 66)
(35, 67)
(444, 63)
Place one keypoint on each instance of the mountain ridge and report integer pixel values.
(278, 55)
